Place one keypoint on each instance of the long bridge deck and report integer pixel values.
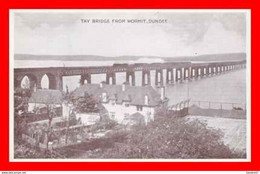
(176, 71)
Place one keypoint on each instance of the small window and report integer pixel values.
(126, 104)
(139, 108)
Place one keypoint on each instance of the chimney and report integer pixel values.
(162, 93)
(146, 100)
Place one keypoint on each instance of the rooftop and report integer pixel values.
(46, 96)
(135, 95)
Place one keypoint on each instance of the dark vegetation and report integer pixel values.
(166, 138)
(86, 104)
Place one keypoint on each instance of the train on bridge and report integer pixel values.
(175, 72)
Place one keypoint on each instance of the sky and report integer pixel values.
(182, 33)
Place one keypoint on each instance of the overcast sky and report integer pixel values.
(183, 34)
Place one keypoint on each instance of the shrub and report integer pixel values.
(172, 137)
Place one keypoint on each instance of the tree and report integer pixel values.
(21, 97)
(174, 138)
(69, 122)
(86, 104)
(51, 113)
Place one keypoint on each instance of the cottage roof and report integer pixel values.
(46, 96)
(133, 94)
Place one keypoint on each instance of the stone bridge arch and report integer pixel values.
(52, 80)
(31, 77)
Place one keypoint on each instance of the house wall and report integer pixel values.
(118, 112)
(31, 106)
(88, 118)
(66, 109)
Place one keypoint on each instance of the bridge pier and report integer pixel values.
(178, 74)
(132, 75)
(159, 77)
(36, 84)
(199, 72)
(85, 77)
(194, 72)
(146, 79)
(215, 70)
(59, 83)
(222, 68)
(111, 78)
(52, 81)
(186, 73)
(203, 71)
(169, 76)
(218, 69)
(207, 71)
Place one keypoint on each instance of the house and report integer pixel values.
(124, 101)
(43, 97)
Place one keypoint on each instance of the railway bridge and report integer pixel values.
(175, 72)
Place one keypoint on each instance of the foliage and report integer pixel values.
(21, 97)
(107, 124)
(86, 104)
(172, 137)
(24, 150)
(22, 92)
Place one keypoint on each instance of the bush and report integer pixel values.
(24, 150)
(104, 124)
(175, 138)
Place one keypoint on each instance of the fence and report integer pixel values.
(218, 109)
(218, 105)
(33, 117)
(55, 143)
(180, 109)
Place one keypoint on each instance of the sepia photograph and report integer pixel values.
(130, 85)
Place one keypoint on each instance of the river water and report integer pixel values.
(229, 87)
